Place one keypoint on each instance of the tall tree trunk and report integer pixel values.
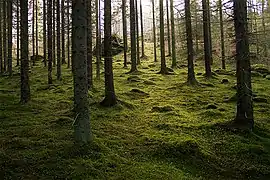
(63, 24)
(264, 29)
(82, 131)
(37, 47)
(98, 39)
(154, 30)
(133, 37)
(68, 34)
(89, 45)
(191, 75)
(124, 31)
(1, 34)
(196, 29)
(222, 35)
(53, 34)
(110, 98)
(210, 31)
(18, 33)
(244, 115)
(9, 13)
(207, 49)
(168, 28)
(25, 88)
(137, 33)
(173, 34)
(58, 37)
(256, 31)
(50, 39)
(44, 33)
(33, 34)
(162, 43)
(142, 33)
(5, 34)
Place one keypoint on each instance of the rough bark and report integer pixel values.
(25, 88)
(50, 40)
(58, 37)
(63, 34)
(1, 34)
(133, 36)
(89, 45)
(98, 39)
(82, 131)
(162, 43)
(53, 33)
(110, 98)
(244, 114)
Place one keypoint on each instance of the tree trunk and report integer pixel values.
(124, 31)
(9, 13)
(133, 36)
(18, 33)
(196, 29)
(58, 36)
(44, 33)
(210, 32)
(173, 34)
(137, 33)
(5, 34)
(89, 45)
(264, 29)
(154, 31)
(142, 33)
(37, 47)
(162, 44)
(168, 28)
(50, 40)
(244, 115)
(25, 88)
(53, 34)
(110, 98)
(33, 34)
(68, 34)
(207, 49)
(63, 23)
(222, 35)
(81, 124)
(1, 34)
(98, 39)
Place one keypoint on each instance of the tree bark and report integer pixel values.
(142, 33)
(68, 34)
(5, 34)
(162, 44)
(264, 29)
(154, 31)
(63, 24)
(82, 131)
(89, 45)
(44, 33)
(9, 13)
(98, 39)
(222, 35)
(173, 34)
(18, 33)
(58, 37)
(110, 98)
(53, 34)
(50, 40)
(137, 33)
(133, 37)
(244, 114)
(124, 31)
(25, 88)
(168, 28)
(33, 34)
(1, 34)
(37, 46)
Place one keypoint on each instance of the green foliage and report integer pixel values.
(166, 130)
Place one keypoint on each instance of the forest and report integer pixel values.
(138, 89)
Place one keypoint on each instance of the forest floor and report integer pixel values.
(162, 129)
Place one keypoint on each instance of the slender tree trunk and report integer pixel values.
(98, 44)
(1, 34)
(256, 31)
(25, 88)
(210, 31)
(264, 29)
(191, 75)
(173, 34)
(207, 49)
(162, 43)
(154, 31)
(58, 37)
(137, 33)
(5, 34)
(222, 35)
(196, 29)
(9, 13)
(82, 131)
(50, 39)
(89, 45)
(110, 98)
(53, 34)
(133, 36)
(244, 115)
(18, 33)
(142, 33)
(44, 33)
(124, 31)
(168, 28)
(33, 34)
(37, 47)
(63, 23)
(68, 34)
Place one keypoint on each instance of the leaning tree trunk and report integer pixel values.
(63, 23)
(110, 98)
(154, 31)
(168, 28)
(124, 31)
(222, 35)
(162, 43)
(89, 45)
(9, 13)
(133, 36)
(50, 40)
(81, 124)
(25, 88)
(244, 114)
(191, 75)
(142, 36)
(206, 35)
(58, 37)
(173, 34)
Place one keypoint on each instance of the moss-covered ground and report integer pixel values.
(162, 129)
